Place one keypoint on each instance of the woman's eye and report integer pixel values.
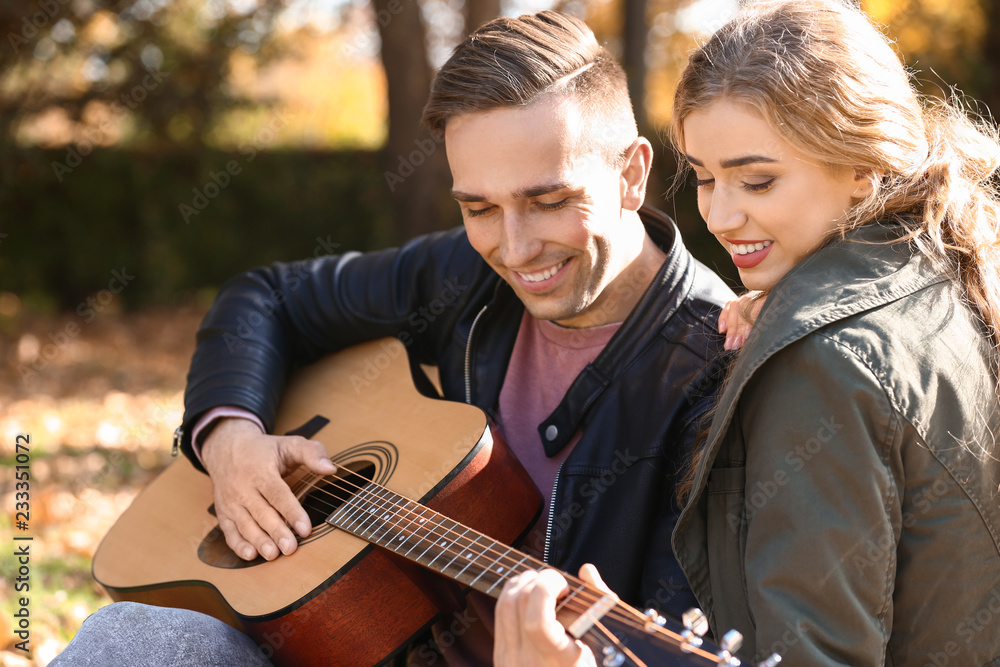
(759, 187)
(701, 182)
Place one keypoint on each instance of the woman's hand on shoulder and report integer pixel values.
(737, 317)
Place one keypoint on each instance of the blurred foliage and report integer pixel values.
(162, 65)
(178, 221)
(114, 112)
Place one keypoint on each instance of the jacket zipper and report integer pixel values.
(552, 514)
(468, 357)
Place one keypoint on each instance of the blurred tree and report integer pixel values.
(85, 71)
(416, 170)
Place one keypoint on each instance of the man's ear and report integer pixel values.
(635, 174)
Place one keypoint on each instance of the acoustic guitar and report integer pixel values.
(378, 567)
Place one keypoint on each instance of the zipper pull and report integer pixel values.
(175, 449)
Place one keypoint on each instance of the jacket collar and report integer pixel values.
(667, 290)
(871, 267)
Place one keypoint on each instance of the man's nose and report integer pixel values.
(519, 244)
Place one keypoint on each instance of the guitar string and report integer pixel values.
(392, 504)
(621, 611)
(382, 505)
(580, 588)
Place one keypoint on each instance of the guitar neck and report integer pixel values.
(418, 533)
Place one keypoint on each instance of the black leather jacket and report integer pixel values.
(640, 404)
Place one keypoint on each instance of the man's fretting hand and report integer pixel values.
(254, 505)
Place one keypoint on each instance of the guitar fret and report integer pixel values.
(392, 521)
(456, 555)
(399, 517)
(472, 561)
(503, 578)
(486, 570)
(422, 521)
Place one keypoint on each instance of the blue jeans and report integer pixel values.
(137, 635)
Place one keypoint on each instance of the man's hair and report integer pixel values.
(510, 62)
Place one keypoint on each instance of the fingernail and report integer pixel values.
(248, 553)
(270, 552)
(302, 528)
(723, 325)
(286, 545)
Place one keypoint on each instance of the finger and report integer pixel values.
(248, 526)
(724, 317)
(294, 451)
(507, 624)
(590, 575)
(279, 509)
(235, 541)
(539, 614)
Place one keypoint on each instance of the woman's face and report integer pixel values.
(769, 204)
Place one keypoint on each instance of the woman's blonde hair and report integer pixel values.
(829, 82)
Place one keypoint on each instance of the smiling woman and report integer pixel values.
(843, 509)
(763, 198)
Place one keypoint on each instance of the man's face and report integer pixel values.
(544, 212)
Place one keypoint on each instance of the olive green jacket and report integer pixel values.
(846, 510)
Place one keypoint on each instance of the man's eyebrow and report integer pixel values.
(539, 190)
(458, 195)
(523, 193)
(734, 162)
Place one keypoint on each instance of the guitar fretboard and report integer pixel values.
(377, 515)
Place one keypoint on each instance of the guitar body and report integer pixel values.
(338, 600)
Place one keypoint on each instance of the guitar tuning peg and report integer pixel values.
(772, 661)
(612, 657)
(730, 644)
(731, 641)
(694, 619)
(653, 617)
(695, 626)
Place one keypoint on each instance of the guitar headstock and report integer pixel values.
(652, 639)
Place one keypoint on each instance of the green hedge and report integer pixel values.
(183, 222)
(177, 222)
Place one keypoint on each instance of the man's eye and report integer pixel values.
(473, 212)
(552, 207)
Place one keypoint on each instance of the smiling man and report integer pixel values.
(581, 325)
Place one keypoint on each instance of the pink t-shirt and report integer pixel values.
(546, 360)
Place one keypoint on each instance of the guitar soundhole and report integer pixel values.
(329, 493)
(370, 461)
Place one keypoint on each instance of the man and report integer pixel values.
(581, 325)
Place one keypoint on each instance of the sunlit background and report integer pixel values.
(149, 149)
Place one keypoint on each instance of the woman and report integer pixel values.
(845, 507)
